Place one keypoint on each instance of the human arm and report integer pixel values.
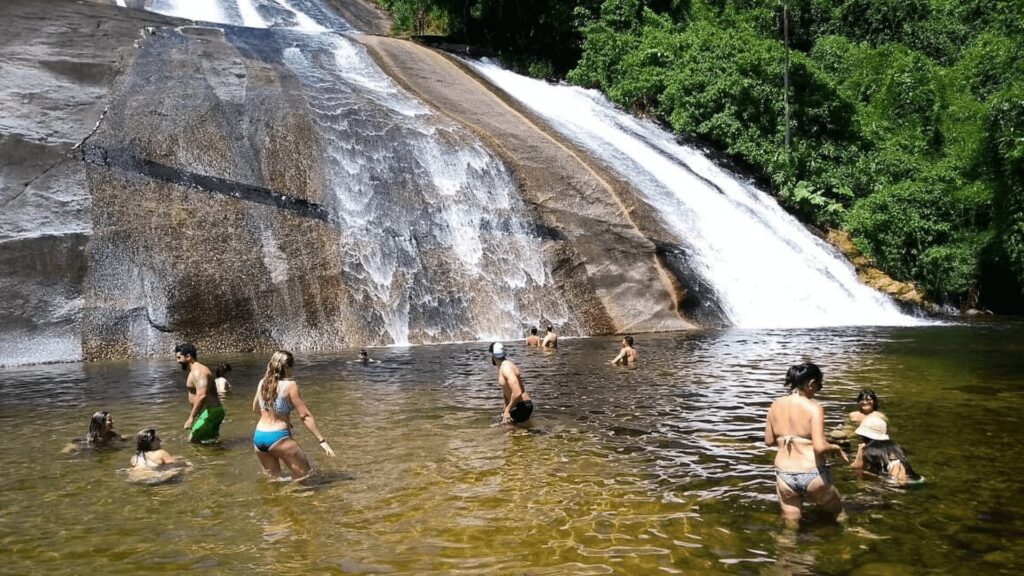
(621, 357)
(769, 432)
(821, 445)
(295, 399)
(858, 462)
(546, 341)
(256, 398)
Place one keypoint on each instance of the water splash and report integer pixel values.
(769, 270)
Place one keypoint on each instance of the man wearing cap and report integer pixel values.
(518, 406)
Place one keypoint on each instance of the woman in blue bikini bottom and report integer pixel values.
(264, 439)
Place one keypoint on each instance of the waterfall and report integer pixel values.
(768, 269)
(436, 244)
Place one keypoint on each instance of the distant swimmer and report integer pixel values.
(277, 395)
(221, 373)
(518, 406)
(796, 426)
(550, 339)
(533, 339)
(365, 359)
(207, 413)
(627, 354)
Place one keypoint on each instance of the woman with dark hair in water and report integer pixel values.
(276, 397)
(221, 379)
(148, 453)
(101, 429)
(880, 455)
(796, 426)
(867, 403)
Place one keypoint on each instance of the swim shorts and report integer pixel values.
(521, 411)
(206, 428)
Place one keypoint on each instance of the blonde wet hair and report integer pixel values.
(278, 366)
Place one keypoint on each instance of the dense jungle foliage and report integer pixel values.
(907, 116)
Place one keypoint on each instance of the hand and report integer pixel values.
(842, 454)
(327, 448)
(505, 418)
(188, 423)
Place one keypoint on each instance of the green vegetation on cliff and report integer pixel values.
(907, 116)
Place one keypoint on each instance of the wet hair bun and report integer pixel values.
(800, 374)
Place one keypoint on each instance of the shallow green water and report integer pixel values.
(658, 469)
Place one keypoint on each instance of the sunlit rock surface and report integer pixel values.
(164, 180)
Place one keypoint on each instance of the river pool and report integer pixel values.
(658, 469)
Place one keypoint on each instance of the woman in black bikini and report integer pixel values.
(796, 425)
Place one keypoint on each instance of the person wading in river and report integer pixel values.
(796, 425)
(533, 339)
(277, 396)
(550, 339)
(518, 406)
(627, 355)
(207, 413)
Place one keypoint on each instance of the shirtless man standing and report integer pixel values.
(550, 339)
(627, 356)
(518, 405)
(533, 339)
(207, 413)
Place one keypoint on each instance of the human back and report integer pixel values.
(273, 394)
(791, 418)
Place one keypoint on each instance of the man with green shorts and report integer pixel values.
(207, 412)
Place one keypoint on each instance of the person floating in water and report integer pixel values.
(101, 430)
(627, 354)
(796, 425)
(518, 406)
(365, 359)
(550, 339)
(151, 464)
(880, 455)
(221, 373)
(867, 404)
(101, 433)
(533, 339)
(207, 413)
(148, 453)
(276, 396)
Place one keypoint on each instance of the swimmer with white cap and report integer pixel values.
(518, 406)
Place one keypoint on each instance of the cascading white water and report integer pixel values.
(435, 243)
(290, 14)
(768, 270)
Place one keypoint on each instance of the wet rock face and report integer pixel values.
(246, 261)
(57, 62)
(163, 182)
